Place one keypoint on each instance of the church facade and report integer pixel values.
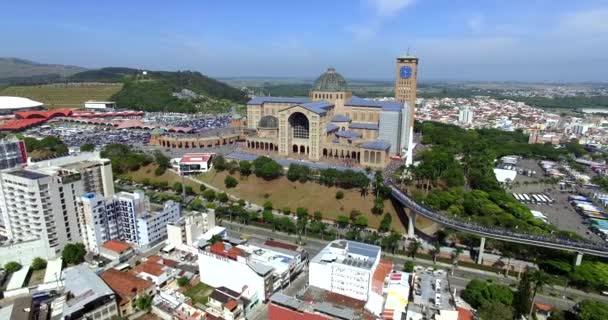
(333, 124)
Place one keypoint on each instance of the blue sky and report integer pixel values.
(523, 40)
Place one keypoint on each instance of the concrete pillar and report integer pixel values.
(411, 223)
(481, 248)
(578, 259)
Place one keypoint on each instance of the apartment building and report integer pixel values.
(40, 204)
(345, 267)
(224, 265)
(125, 216)
(39, 201)
(87, 296)
(186, 230)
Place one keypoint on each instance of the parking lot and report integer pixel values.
(560, 214)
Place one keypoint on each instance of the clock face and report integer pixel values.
(405, 72)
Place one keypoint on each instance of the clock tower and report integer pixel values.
(405, 84)
(405, 91)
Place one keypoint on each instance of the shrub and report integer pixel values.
(38, 263)
(267, 205)
(12, 267)
(230, 182)
(209, 195)
(339, 195)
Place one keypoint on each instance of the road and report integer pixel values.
(458, 278)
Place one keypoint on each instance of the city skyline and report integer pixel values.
(553, 41)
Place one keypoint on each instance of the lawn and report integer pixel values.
(284, 193)
(199, 293)
(63, 96)
(36, 277)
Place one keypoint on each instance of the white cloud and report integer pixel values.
(387, 8)
(476, 23)
(590, 21)
(382, 10)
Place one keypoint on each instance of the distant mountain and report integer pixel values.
(15, 70)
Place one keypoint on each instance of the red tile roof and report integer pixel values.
(384, 268)
(125, 284)
(148, 267)
(116, 246)
(231, 305)
(543, 307)
(464, 314)
(283, 245)
(161, 260)
(20, 124)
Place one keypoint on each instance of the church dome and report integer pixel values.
(268, 122)
(330, 81)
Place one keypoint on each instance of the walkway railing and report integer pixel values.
(556, 242)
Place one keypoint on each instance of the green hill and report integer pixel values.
(154, 90)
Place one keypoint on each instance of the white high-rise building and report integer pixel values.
(345, 267)
(39, 202)
(125, 216)
(465, 115)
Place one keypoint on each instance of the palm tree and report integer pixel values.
(436, 250)
(509, 256)
(539, 279)
(456, 254)
(413, 248)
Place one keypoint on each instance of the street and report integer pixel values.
(459, 279)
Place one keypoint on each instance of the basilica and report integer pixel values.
(333, 124)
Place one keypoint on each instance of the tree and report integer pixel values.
(495, 311)
(413, 248)
(267, 205)
(456, 254)
(538, 279)
(361, 222)
(318, 215)
(267, 216)
(286, 211)
(339, 195)
(408, 266)
(230, 182)
(223, 197)
(523, 296)
(73, 253)
(592, 310)
(182, 281)
(144, 302)
(245, 168)
(385, 224)
(38, 263)
(209, 195)
(177, 187)
(390, 241)
(202, 187)
(12, 267)
(215, 238)
(219, 163)
(266, 168)
(162, 161)
(342, 221)
(436, 250)
(87, 147)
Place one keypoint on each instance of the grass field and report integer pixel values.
(311, 195)
(61, 95)
(199, 293)
(36, 277)
(284, 193)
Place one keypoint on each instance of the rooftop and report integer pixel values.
(330, 81)
(262, 100)
(318, 107)
(196, 157)
(83, 286)
(28, 174)
(384, 105)
(125, 284)
(116, 246)
(350, 253)
(376, 145)
(7, 102)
